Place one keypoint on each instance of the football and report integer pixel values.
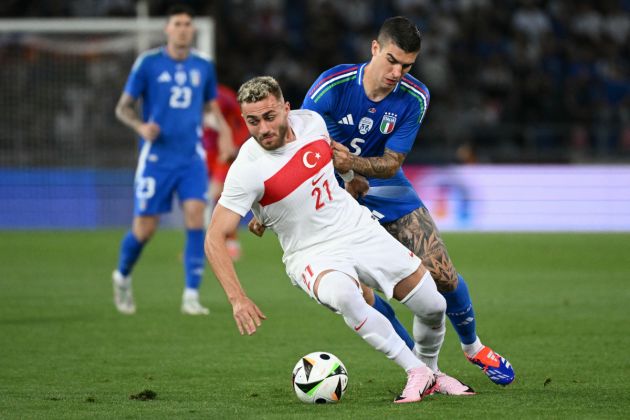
(320, 378)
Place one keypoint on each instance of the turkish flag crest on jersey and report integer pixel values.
(302, 166)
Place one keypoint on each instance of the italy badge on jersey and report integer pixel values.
(388, 122)
(195, 77)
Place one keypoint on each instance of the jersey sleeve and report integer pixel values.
(210, 89)
(137, 80)
(317, 99)
(240, 190)
(321, 126)
(402, 139)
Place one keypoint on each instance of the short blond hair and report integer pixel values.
(259, 88)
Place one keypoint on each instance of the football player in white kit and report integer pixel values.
(284, 174)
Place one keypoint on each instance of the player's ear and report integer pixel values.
(375, 47)
(167, 25)
(287, 106)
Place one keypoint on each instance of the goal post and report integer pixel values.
(140, 26)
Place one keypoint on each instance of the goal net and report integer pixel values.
(65, 160)
(61, 80)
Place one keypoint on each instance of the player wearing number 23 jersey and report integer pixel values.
(173, 94)
(367, 128)
(175, 85)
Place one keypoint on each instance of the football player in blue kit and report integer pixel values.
(374, 110)
(176, 86)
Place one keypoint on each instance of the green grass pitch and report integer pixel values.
(557, 305)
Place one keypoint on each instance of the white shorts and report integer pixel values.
(370, 255)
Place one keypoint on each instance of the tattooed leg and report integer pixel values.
(418, 233)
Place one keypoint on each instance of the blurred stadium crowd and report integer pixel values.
(545, 81)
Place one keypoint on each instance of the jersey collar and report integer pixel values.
(166, 55)
(360, 77)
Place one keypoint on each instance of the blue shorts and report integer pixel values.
(155, 186)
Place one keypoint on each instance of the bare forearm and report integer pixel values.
(223, 268)
(378, 166)
(128, 116)
(247, 315)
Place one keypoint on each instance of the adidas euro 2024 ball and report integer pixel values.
(320, 378)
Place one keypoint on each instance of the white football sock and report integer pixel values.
(473, 348)
(429, 321)
(120, 280)
(191, 293)
(340, 292)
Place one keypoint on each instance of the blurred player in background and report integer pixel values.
(218, 162)
(285, 175)
(374, 111)
(176, 86)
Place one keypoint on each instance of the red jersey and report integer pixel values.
(231, 110)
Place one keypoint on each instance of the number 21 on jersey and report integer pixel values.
(321, 192)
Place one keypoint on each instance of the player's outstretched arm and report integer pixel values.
(376, 167)
(246, 314)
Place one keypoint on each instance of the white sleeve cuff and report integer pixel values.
(348, 176)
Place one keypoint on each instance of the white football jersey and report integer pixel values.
(293, 190)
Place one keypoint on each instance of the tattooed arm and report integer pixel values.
(126, 113)
(377, 167)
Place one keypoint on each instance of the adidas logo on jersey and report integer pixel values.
(347, 120)
(164, 77)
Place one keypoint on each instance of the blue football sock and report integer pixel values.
(130, 250)
(194, 258)
(385, 308)
(459, 309)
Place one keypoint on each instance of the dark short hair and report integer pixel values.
(259, 88)
(402, 32)
(180, 9)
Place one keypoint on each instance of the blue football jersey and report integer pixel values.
(173, 95)
(367, 128)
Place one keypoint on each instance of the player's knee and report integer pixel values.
(433, 308)
(143, 229)
(338, 291)
(426, 302)
(194, 220)
(435, 311)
